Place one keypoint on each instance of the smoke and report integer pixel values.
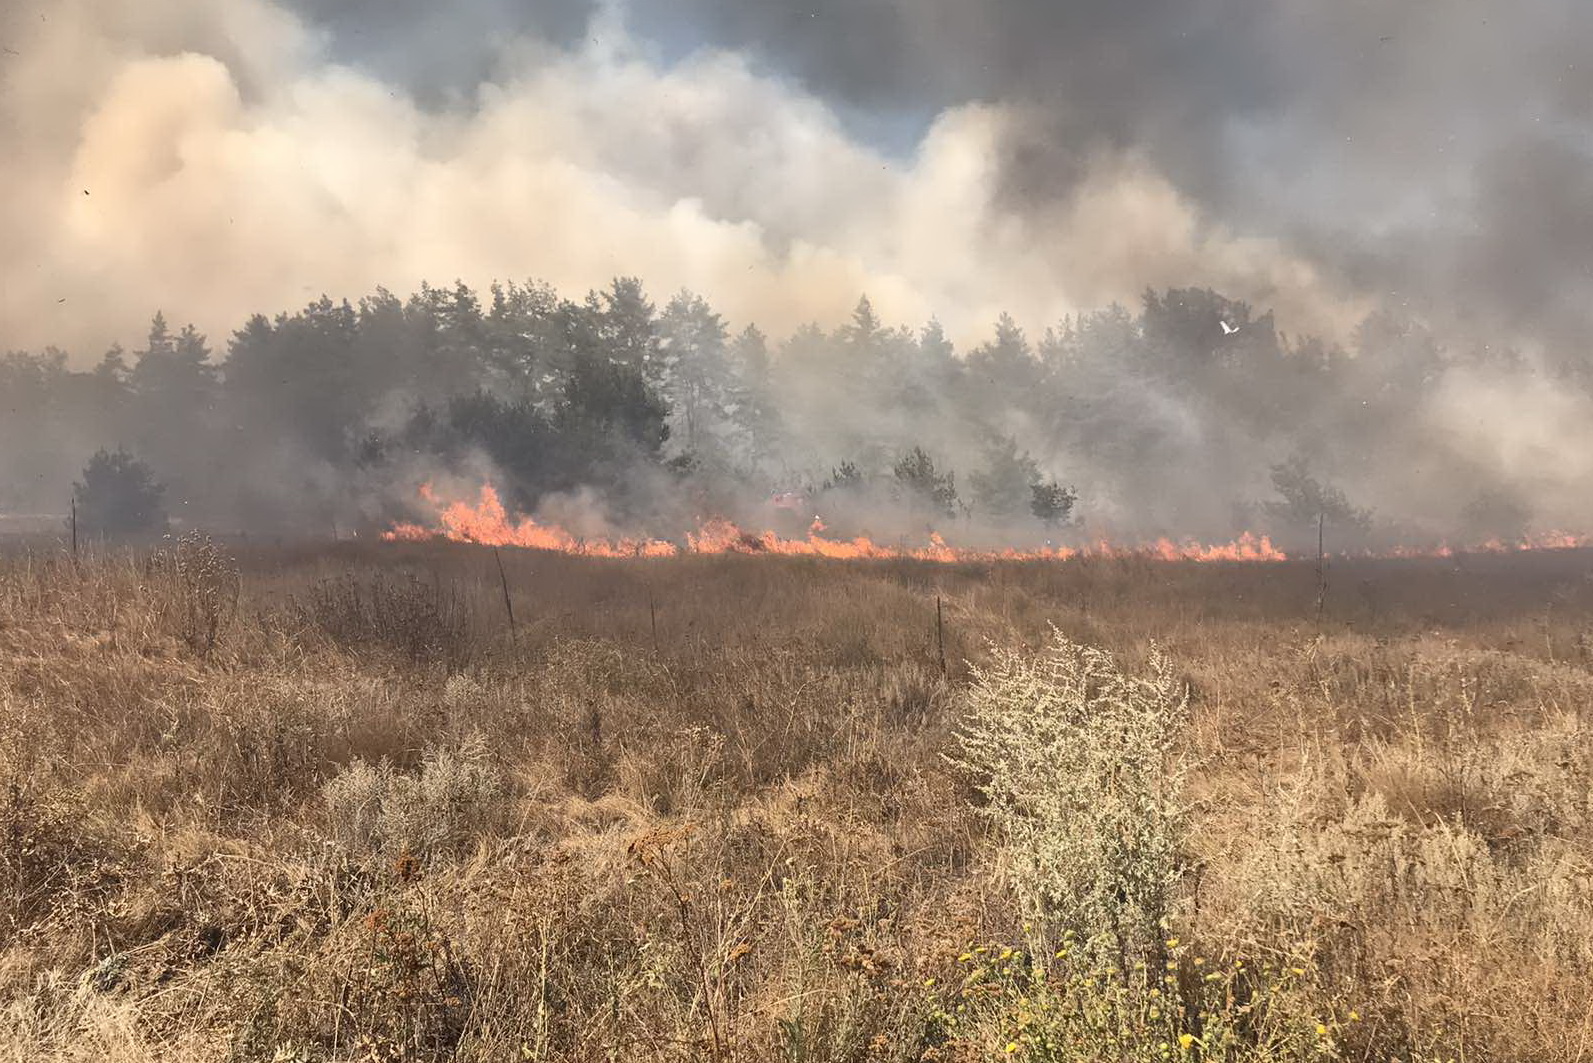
(229, 157)
(1421, 149)
(219, 158)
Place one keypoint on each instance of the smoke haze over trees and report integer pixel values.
(1043, 202)
(1190, 415)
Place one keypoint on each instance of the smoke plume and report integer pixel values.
(1332, 164)
(231, 157)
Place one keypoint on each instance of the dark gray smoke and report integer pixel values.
(1426, 150)
(442, 52)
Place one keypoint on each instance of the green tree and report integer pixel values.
(1305, 500)
(527, 340)
(1002, 488)
(298, 377)
(610, 406)
(173, 403)
(1051, 502)
(173, 375)
(924, 485)
(695, 375)
(863, 334)
(845, 477)
(1003, 375)
(627, 327)
(119, 495)
(758, 417)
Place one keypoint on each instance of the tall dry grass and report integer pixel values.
(318, 804)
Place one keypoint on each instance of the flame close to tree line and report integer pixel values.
(487, 523)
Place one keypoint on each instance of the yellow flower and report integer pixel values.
(1321, 1031)
(1185, 1040)
(1355, 1016)
(1012, 1046)
(928, 982)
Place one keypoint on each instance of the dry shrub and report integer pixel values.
(1074, 759)
(455, 795)
(423, 622)
(200, 586)
(56, 864)
(1437, 886)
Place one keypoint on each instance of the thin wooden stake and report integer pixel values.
(508, 605)
(652, 612)
(940, 635)
(1321, 569)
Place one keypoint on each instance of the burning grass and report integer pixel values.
(488, 523)
(325, 805)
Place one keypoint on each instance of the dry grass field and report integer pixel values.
(325, 804)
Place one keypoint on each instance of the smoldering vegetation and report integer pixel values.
(1190, 416)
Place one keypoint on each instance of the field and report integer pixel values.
(326, 803)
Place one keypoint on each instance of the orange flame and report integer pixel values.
(1554, 540)
(488, 524)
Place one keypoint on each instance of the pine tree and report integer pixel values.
(119, 495)
(758, 418)
(627, 326)
(925, 486)
(695, 376)
(1051, 503)
(1003, 489)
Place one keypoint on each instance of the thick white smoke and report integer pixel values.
(207, 157)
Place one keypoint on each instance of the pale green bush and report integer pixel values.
(1075, 761)
(376, 808)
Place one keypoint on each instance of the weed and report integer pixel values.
(1074, 759)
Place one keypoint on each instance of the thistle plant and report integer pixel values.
(1074, 759)
(377, 808)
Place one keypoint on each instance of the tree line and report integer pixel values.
(1189, 415)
